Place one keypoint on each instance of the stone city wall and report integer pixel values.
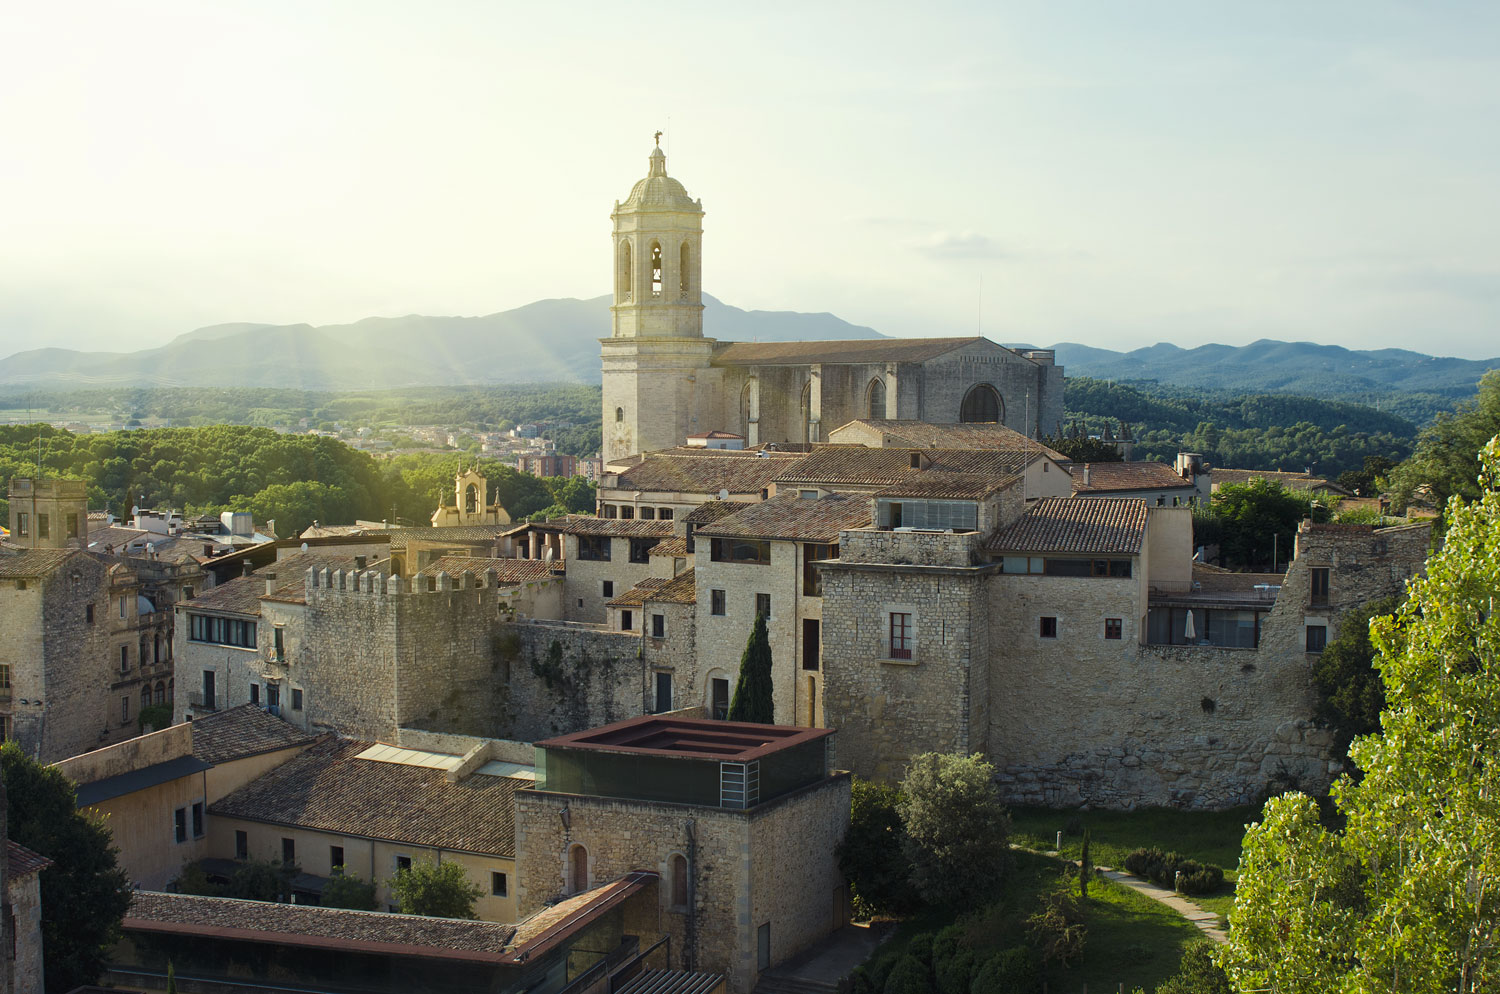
(594, 678)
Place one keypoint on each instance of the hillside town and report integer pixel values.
(546, 710)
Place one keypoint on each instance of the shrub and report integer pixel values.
(946, 944)
(1197, 974)
(956, 828)
(955, 973)
(909, 976)
(871, 856)
(920, 947)
(1162, 868)
(258, 880)
(1011, 971)
(193, 880)
(346, 891)
(1057, 931)
(1199, 878)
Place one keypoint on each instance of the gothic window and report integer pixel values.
(875, 398)
(619, 414)
(471, 499)
(656, 269)
(622, 275)
(684, 271)
(981, 405)
(745, 411)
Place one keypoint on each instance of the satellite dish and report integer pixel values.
(304, 546)
(723, 494)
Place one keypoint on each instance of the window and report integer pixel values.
(608, 588)
(288, 851)
(179, 824)
(763, 944)
(627, 621)
(812, 643)
(43, 526)
(763, 605)
(875, 398)
(88, 613)
(161, 692)
(981, 405)
(812, 577)
(222, 631)
(122, 606)
(900, 635)
(255, 693)
(241, 845)
(124, 710)
(187, 593)
(934, 515)
(679, 878)
(4, 676)
(278, 642)
(1049, 628)
(5, 729)
(197, 819)
(640, 548)
(1114, 628)
(664, 514)
(716, 602)
(594, 548)
(72, 520)
(208, 689)
(647, 514)
(124, 658)
(1317, 637)
(736, 550)
(296, 699)
(658, 626)
(626, 512)
(578, 870)
(663, 692)
(273, 695)
(619, 414)
(23, 523)
(719, 701)
(145, 697)
(403, 863)
(499, 884)
(336, 857)
(1320, 586)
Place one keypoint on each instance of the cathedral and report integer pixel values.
(664, 381)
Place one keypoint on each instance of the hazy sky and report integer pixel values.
(1110, 173)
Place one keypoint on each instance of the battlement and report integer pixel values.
(328, 581)
(29, 487)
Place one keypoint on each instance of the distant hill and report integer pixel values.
(1284, 367)
(549, 341)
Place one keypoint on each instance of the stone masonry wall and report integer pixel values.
(599, 678)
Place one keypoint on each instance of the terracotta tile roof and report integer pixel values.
(583, 524)
(866, 350)
(710, 511)
(240, 732)
(327, 789)
(923, 435)
(937, 485)
(115, 536)
(1291, 481)
(22, 862)
(19, 563)
(793, 518)
(715, 434)
(670, 547)
(680, 589)
(857, 465)
(546, 927)
(509, 570)
(704, 471)
(307, 925)
(457, 534)
(1115, 476)
(1077, 524)
(238, 596)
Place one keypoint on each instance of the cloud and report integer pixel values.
(960, 245)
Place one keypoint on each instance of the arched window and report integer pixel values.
(471, 498)
(172, 689)
(656, 269)
(684, 271)
(161, 692)
(578, 870)
(619, 414)
(679, 877)
(745, 411)
(875, 398)
(623, 274)
(807, 412)
(981, 405)
(146, 696)
(156, 648)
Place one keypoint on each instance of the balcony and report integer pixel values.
(200, 701)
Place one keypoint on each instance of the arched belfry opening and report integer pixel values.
(875, 398)
(982, 405)
(685, 271)
(471, 498)
(622, 273)
(656, 269)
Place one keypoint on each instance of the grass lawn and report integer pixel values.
(1207, 836)
(1131, 939)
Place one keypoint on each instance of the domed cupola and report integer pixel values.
(660, 192)
(658, 269)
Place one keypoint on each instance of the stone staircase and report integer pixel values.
(770, 983)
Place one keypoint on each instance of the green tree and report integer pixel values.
(261, 880)
(752, 693)
(957, 831)
(1198, 974)
(438, 890)
(1406, 896)
(345, 891)
(1084, 449)
(1444, 459)
(1350, 692)
(1259, 519)
(1365, 481)
(871, 857)
(84, 893)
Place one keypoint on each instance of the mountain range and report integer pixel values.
(557, 341)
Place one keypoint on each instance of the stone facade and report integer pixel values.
(596, 677)
(24, 897)
(771, 865)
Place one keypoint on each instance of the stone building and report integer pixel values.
(669, 484)
(471, 504)
(604, 557)
(739, 821)
(21, 925)
(664, 381)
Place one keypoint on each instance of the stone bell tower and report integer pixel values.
(657, 375)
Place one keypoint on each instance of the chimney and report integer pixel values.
(270, 583)
(1086, 474)
(245, 568)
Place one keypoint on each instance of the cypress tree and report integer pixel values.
(752, 694)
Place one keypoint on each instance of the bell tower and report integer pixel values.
(657, 375)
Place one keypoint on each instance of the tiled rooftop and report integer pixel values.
(328, 789)
(1105, 525)
(656, 590)
(19, 563)
(243, 731)
(857, 465)
(509, 570)
(938, 485)
(670, 547)
(703, 471)
(240, 595)
(922, 435)
(21, 861)
(1115, 476)
(790, 517)
(638, 594)
(291, 573)
(711, 511)
(305, 925)
(857, 350)
(583, 524)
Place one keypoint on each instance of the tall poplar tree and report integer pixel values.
(752, 694)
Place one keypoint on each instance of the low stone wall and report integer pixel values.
(503, 750)
(924, 548)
